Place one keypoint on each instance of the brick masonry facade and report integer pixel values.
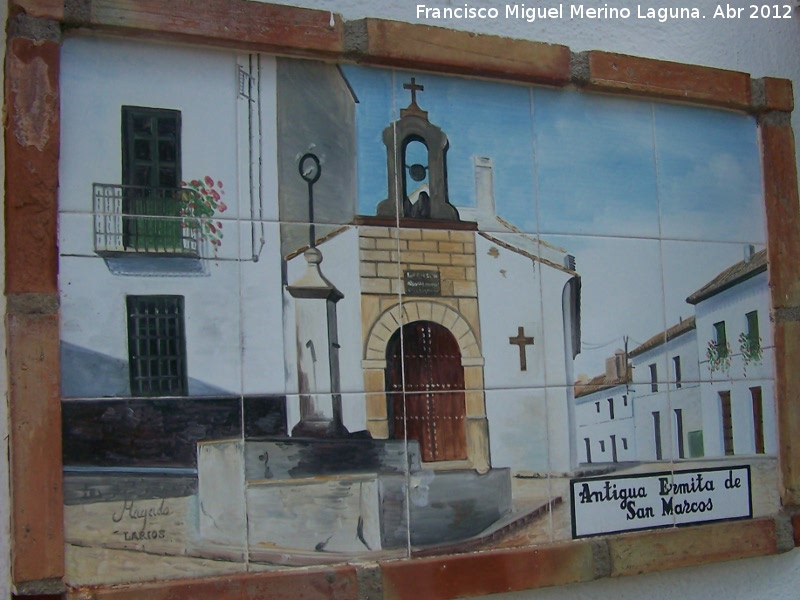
(385, 254)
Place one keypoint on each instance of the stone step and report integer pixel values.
(502, 528)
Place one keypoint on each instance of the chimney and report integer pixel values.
(484, 186)
(615, 366)
(749, 252)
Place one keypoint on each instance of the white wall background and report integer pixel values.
(759, 47)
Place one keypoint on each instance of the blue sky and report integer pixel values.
(567, 162)
(586, 170)
(480, 119)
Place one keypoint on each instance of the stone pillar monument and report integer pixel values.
(317, 352)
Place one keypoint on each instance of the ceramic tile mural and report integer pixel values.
(316, 314)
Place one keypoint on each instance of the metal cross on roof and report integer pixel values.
(414, 87)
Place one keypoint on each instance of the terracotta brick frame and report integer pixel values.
(35, 30)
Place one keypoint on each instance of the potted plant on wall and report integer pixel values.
(719, 356)
(202, 199)
(750, 347)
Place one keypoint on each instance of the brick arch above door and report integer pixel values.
(421, 310)
(374, 366)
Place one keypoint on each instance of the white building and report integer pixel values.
(666, 391)
(174, 306)
(734, 341)
(699, 388)
(651, 413)
(604, 415)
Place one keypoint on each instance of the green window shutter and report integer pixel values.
(151, 170)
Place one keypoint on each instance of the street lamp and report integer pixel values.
(310, 170)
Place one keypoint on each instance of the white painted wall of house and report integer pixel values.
(685, 347)
(509, 297)
(516, 291)
(685, 398)
(759, 47)
(201, 84)
(741, 416)
(731, 306)
(648, 400)
(597, 425)
(668, 397)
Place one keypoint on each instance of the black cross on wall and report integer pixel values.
(521, 340)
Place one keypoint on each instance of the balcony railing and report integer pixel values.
(137, 219)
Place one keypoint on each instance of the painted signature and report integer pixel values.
(140, 514)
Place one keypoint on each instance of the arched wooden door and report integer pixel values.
(435, 414)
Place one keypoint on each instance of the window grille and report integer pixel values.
(245, 83)
(157, 346)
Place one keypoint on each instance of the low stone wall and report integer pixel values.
(337, 514)
(344, 512)
(161, 432)
(445, 506)
(293, 458)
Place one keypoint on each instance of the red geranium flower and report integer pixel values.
(201, 200)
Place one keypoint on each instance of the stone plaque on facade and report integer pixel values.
(422, 283)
